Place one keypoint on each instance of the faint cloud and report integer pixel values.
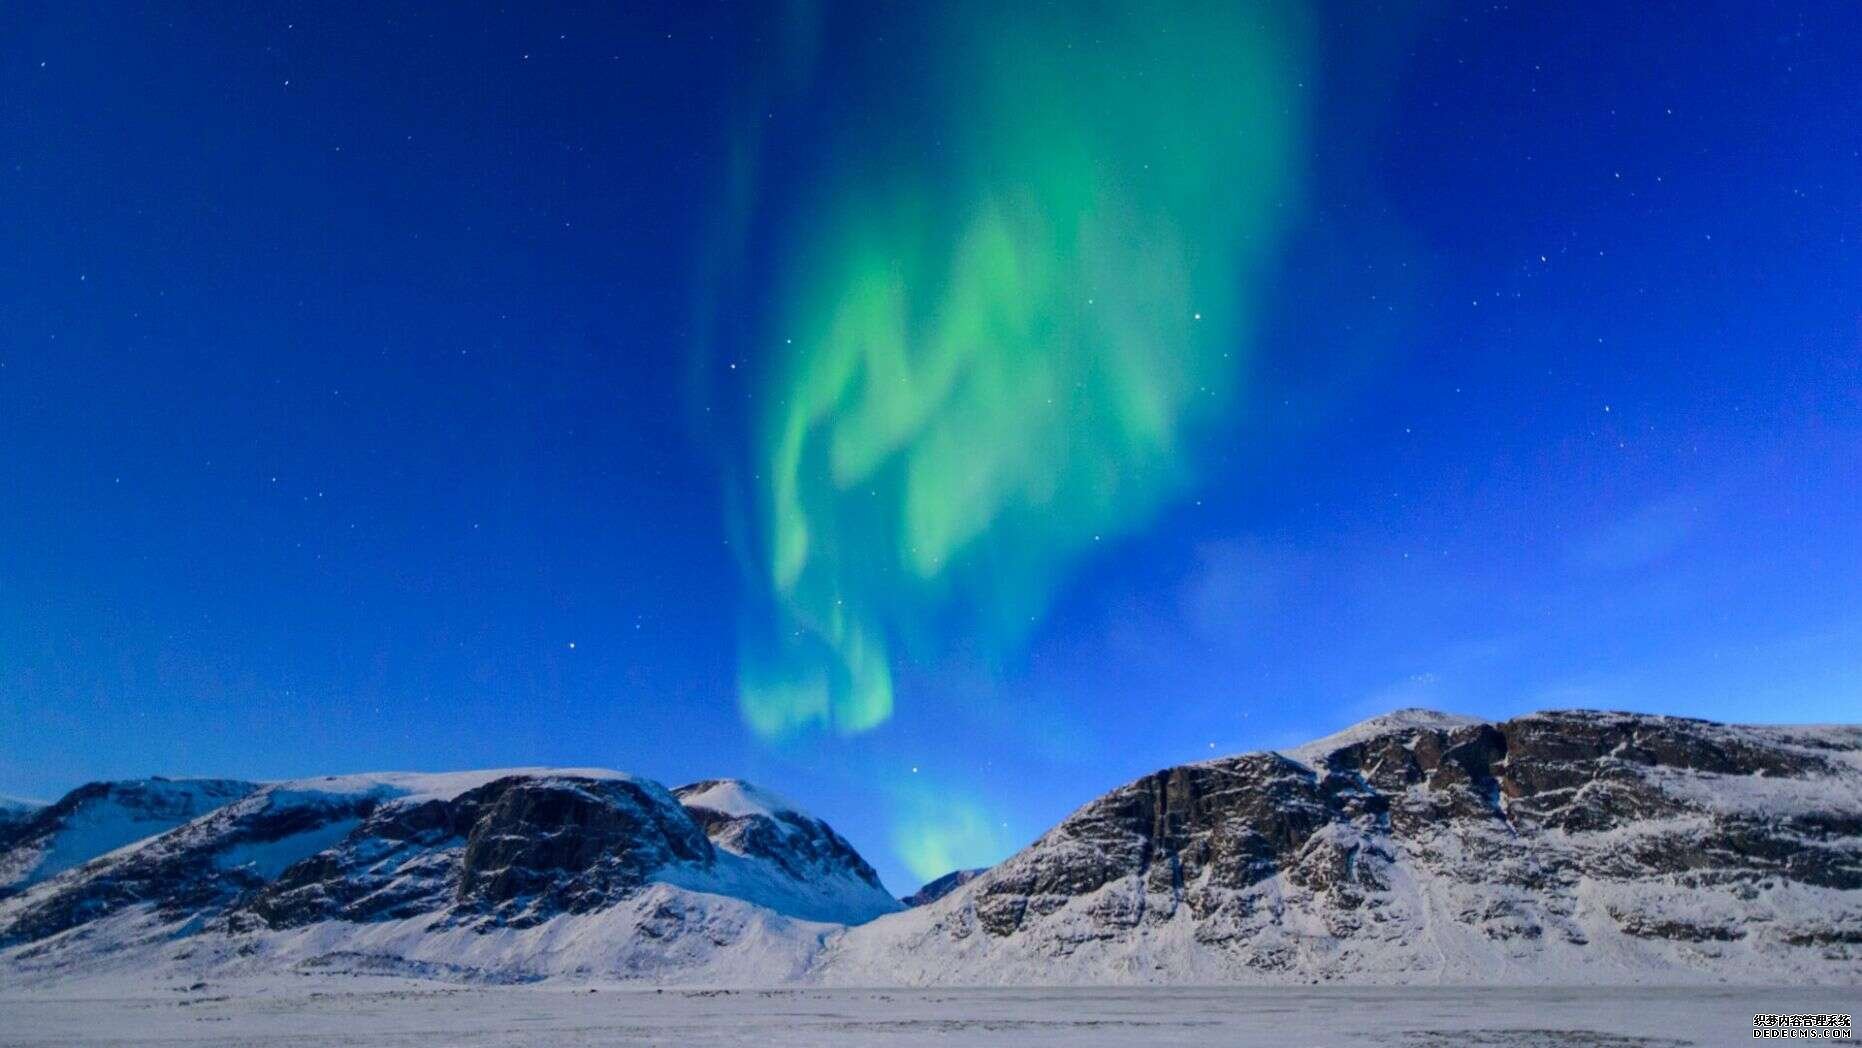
(1466, 676)
(1234, 586)
(1651, 533)
(1589, 694)
(1425, 690)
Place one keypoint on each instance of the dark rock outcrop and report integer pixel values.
(1343, 855)
(99, 817)
(511, 852)
(477, 851)
(196, 868)
(801, 846)
(939, 887)
(569, 846)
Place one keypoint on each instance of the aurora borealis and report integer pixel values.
(1005, 350)
(936, 413)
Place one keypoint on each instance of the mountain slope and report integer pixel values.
(511, 874)
(42, 841)
(776, 855)
(1564, 847)
(16, 810)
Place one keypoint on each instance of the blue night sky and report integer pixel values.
(396, 387)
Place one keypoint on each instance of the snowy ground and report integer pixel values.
(367, 1012)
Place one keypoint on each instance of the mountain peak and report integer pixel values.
(734, 797)
(1407, 717)
(782, 856)
(98, 818)
(938, 887)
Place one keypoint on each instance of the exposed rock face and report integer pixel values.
(191, 869)
(399, 862)
(513, 852)
(544, 848)
(1216, 826)
(40, 842)
(408, 857)
(766, 829)
(1426, 844)
(785, 859)
(937, 888)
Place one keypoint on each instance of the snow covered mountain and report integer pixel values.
(14, 809)
(40, 841)
(1569, 847)
(1576, 847)
(783, 858)
(511, 874)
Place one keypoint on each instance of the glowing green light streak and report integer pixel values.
(1004, 350)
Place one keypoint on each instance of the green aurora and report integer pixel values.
(1008, 319)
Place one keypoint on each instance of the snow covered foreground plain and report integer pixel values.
(374, 1012)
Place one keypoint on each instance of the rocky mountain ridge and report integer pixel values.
(1563, 846)
(320, 870)
(1573, 846)
(938, 887)
(40, 841)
